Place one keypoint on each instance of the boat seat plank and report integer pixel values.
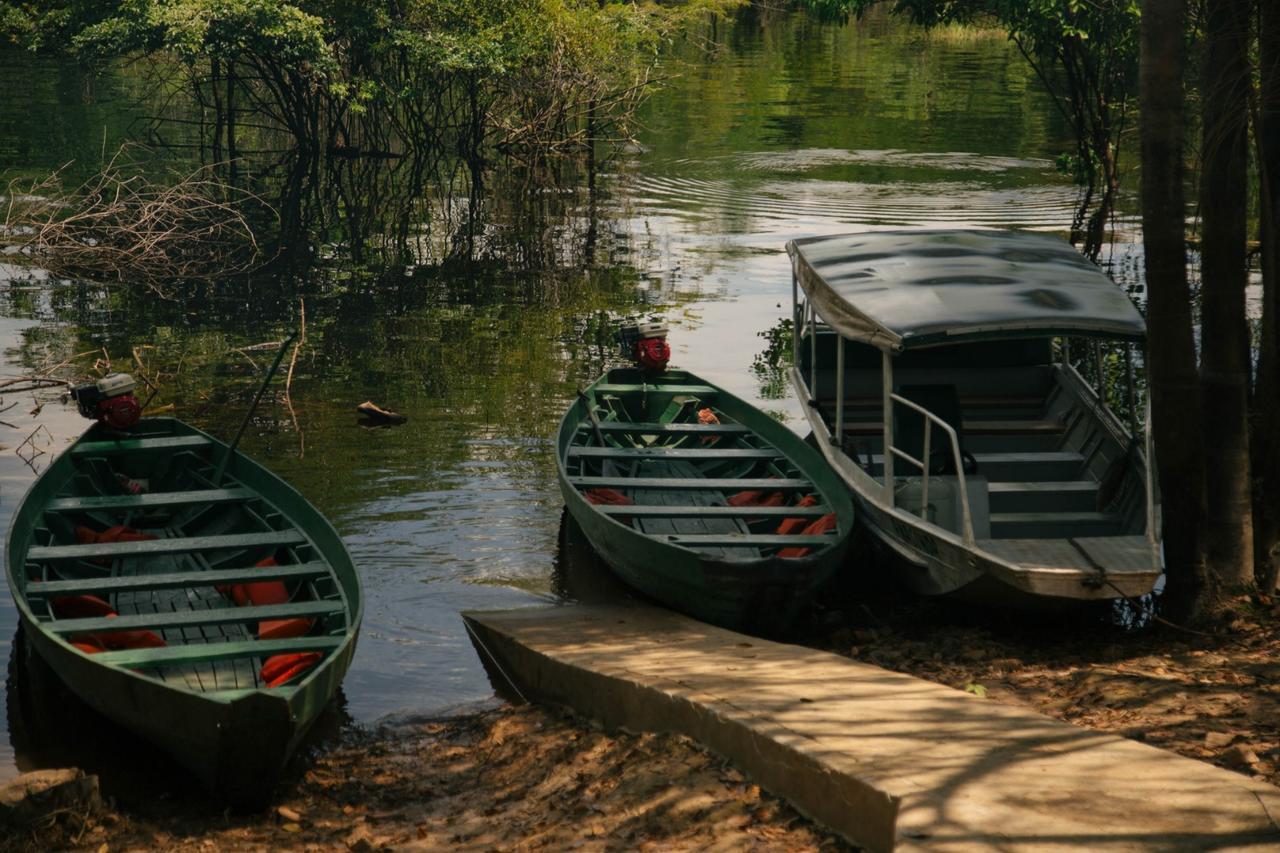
(156, 547)
(654, 428)
(211, 652)
(758, 540)
(672, 453)
(615, 388)
(149, 501)
(133, 445)
(641, 511)
(173, 580)
(705, 483)
(191, 618)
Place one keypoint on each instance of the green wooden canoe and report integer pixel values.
(201, 695)
(691, 510)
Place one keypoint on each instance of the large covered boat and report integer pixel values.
(935, 371)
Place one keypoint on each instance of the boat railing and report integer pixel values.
(923, 465)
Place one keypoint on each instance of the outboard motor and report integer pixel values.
(644, 343)
(110, 401)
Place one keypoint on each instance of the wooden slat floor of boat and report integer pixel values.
(157, 547)
(686, 525)
(151, 500)
(653, 428)
(177, 580)
(135, 445)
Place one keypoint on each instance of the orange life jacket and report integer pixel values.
(756, 498)
(280, 669)
(607, 497)
(822, 525)
(263, 593)
(91, 606)
(795, 525)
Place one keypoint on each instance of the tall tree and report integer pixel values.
(1225, 365)
(1171, 354)
(1266, 419)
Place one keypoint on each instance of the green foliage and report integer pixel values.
(770, 365)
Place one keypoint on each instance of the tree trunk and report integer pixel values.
(1266, 419)
(1225, 365)
(1171, 354)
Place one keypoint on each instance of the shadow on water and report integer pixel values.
(49, 727)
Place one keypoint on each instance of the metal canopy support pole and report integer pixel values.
(813, 354)
(886, 389)
(795, 322)
(1131, 394)
(838, 438)
(1153, 536)
(1099, 372)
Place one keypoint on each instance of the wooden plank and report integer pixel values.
(673, 453)
(134, 445)
(209, 652)
(173, 580)
(653, 428)
(156, 547)
(717, 511)
(735, 484)
(757, 540)
(149, 501)
(692, 390)
(191, 618)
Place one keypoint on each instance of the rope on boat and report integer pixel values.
(511, 681)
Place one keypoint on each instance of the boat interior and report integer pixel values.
(667, 461)
(1043, 457)
(146, 560)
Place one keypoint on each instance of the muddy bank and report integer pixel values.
(514, 778)
(1211, 697)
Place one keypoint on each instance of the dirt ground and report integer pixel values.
(531, 778)
(1211, 697)
(515, 778)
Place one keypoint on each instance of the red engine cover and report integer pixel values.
(120, 412)
(653, 353)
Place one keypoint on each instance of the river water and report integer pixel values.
(784, 128)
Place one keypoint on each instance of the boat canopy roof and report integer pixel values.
(900, 290)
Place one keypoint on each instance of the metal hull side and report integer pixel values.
(234, 741)
(936, 562)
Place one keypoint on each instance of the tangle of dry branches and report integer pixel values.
(121, 225)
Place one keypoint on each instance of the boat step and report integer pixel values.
(132, 445)
(649, 428)
(193, 618)
(155, 547)
(149, 501)
(1023, 467)
(716, 511)
(696, 483)
(176, 580)
(1057, 496)
(1054, 525)
(673, 453)
(987, 427)
(750, 540)
(193, 653)
(691, 390)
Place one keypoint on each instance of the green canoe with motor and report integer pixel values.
(215, 619)
(700, 500)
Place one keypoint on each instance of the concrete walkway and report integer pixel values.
(887, 760)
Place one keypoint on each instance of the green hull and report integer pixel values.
(684, 545)
(201, 697)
